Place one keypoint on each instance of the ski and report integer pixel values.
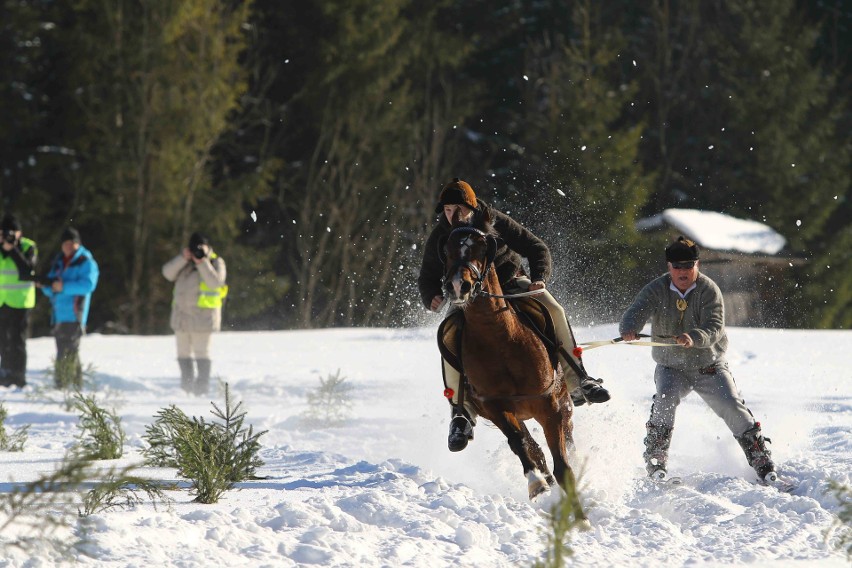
(669, 481)
(661, 477)
(782, 484)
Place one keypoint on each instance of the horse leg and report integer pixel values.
(558, 429)
(522, 444)
(537, 455)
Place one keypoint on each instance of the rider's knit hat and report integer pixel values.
(457, 192)
(682, 250)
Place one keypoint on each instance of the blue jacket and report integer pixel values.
(79, 280)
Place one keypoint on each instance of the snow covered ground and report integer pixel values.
(382, 489)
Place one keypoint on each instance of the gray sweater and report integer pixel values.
(703, 320)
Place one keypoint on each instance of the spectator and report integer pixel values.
(69, 284)
(18, 257)
(199, 275)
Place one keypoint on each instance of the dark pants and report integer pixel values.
(69, 371)
(13, 345)
(67, 337)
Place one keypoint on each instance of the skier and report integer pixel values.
(688, 306)
(458, 202)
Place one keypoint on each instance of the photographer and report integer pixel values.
(69, 284)
(199, 275)
(18, 256)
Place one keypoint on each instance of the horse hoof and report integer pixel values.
(536, 484)
(537, 489)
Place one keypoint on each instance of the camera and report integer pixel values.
(9, 236)
(198, 252)
(45, 281)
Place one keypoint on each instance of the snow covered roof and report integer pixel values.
(717, 231)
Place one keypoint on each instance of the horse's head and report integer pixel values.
(469, 254)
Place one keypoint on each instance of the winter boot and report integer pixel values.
(461, 429)
(754, 445)
(202, 383)
(590, 390)
(657, 450)
(187, 374)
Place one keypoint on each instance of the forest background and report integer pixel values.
(309, 140)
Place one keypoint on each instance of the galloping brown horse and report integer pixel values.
(509, 374)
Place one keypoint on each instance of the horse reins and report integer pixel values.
(480, 275)
(510, 296)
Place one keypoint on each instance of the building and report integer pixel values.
(747, 259)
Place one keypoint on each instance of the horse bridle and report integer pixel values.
(491, 251)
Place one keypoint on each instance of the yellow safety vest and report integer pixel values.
(208, 297)
(14, 292)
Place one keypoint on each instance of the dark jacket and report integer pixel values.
(514, 241)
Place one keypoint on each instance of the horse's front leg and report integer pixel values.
(558, 430)
(523, 445)
(537, 455)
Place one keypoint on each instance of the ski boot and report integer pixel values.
(754, 445)
(657, 451)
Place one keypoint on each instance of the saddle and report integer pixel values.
(530, 311)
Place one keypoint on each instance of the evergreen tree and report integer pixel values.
(581, 143)
(745, 120)
(796, 169)
(145, 109)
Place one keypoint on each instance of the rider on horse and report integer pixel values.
(458, 203)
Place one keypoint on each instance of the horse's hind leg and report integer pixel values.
(525, 448)
(558, 429)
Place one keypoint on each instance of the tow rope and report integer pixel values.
(595, 344)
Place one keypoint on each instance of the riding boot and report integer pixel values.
(583, 387)
(754, 445)
(590, 390)
(187, 373)
(461, 429)
(657, 450)
(462, 417)
(202, 383)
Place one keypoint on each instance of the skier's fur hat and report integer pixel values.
(682, 250)
(457, 192)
